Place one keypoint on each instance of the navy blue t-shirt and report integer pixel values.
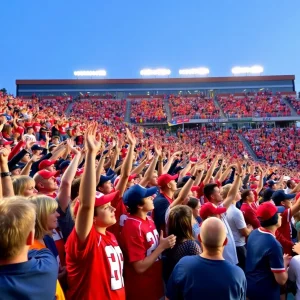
(161, 205)
(34, 279)
(264, 257)
(195, 277)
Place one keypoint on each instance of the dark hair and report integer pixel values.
(209, 189)
(180, 223)
(270, 222)
(134, 209)
(245, 194)
(288, 183)
(193, 202)
(75, 188)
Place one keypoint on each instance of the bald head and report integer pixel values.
(213, 233)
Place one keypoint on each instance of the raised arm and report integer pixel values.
(64, 192)
(235, 186)
(7, 186)
(127, 165)
(149, 172)
(211, 170)
(27, 168)
(186, 189)
(167, 166)
(87, 189)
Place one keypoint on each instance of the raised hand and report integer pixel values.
(130, 137)
(92, 142)
(4, 152)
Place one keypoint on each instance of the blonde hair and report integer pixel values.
(44, 207)
(20, 183)
(225, 190)
(17, 219)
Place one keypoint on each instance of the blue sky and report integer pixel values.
(50, 39)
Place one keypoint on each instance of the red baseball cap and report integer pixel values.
(100, 200)
(79, 172)
(47, 174)
(195, 188)
(209, 210)
(164, 179)
(267, 210)
(46, 163)
(133, 176)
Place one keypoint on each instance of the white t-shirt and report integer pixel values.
(294, 273)
(236, 222)
(29, 137)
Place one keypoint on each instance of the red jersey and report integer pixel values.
(250, 215)
(120, 210)
(94, 267)
(139, 238)
(284, 232)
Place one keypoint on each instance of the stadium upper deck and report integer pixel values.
(122, 88)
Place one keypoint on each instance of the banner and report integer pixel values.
(178, 121)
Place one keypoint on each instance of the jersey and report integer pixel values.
(120, 211)
(94, 267)
(139, 238)
(264, 257)
(250, 215)
(284, 232)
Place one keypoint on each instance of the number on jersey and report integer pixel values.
(115, 258)
(153, 238)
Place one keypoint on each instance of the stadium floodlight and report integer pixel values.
(90, 73)
(194, 71)
(247, 70)
(155, 72)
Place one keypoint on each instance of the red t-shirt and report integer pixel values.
(284, 232)
(94, 267)
(250, 215)
(139, 238)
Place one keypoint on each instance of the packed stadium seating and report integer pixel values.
(101, 110)
(295, 103)
(193, 107)
(147, 111)
(276, 145)
(253, 105)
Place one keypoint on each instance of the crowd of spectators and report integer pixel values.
(276, 145)
(261, 104)
(100, 110)
(295, 103)
(77, 192)
(193, 107)
(147, 111)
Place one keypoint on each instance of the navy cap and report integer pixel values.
(16, 166)
(280, 195)
(36, 147)
(134, 195)
(104, 179)
(64, 164)
(271, 183)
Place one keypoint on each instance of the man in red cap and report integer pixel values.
(266, 266)
(45, 182)
(47, 164)
(165, 199)
(94, 259)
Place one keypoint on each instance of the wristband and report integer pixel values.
(193, 177)
(5, 174)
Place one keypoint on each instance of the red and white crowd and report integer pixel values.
(92, 208)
